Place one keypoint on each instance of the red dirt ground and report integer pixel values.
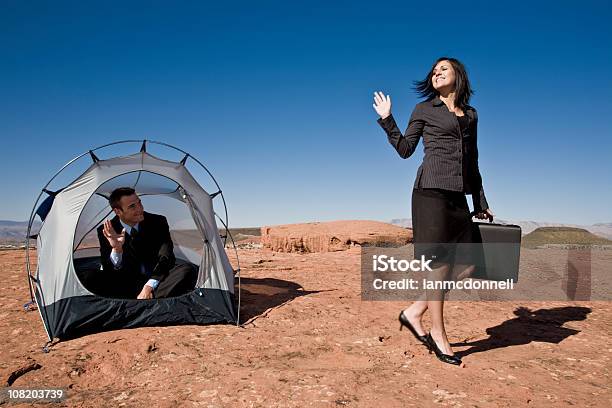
(312, 341)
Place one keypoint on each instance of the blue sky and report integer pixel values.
(276, 99)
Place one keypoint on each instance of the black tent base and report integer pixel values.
(81, 315)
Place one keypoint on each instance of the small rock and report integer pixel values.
(121, 396)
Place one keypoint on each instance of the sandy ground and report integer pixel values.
(312, 341)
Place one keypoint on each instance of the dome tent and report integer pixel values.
(68, 253)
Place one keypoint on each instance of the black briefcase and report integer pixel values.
(497, 251)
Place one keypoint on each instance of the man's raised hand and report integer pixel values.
(115, 240)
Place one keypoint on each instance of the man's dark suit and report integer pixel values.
(152, 247)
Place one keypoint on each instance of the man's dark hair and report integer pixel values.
(116, 195)
(463, 90)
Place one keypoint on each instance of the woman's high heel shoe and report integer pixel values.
(445, 358)
(404, 322)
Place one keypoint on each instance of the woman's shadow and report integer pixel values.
(543, 325)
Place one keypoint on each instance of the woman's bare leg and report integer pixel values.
(435, 305)
(414, 313)
(461, 272)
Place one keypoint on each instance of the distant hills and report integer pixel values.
(15, 231)
(600, 229)
(562, 235)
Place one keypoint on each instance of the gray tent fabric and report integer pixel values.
(68, 308)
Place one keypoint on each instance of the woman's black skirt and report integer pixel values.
(442, 226)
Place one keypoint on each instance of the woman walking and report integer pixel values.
(440, 213)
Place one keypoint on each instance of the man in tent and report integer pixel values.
(137, 253)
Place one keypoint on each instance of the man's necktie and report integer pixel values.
(134, 234)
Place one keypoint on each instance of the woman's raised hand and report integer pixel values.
(382, 104)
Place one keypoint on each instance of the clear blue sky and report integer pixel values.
(276, 98)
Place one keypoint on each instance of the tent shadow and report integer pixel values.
(259, 295)
(542, 325)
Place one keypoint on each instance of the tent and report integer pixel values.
(68, 249)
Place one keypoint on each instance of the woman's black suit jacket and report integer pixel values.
(451, 156)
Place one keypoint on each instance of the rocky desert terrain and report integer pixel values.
(308, 339)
